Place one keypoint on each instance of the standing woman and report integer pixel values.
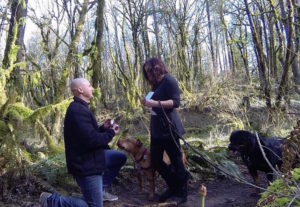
(167, 96)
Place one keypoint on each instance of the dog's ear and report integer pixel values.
(139, 143)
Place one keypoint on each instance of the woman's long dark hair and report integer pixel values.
(155, 67)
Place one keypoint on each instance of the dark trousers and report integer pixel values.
(174, 175)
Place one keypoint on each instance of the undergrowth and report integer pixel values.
(282, 193)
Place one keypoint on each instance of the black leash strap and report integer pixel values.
(202, 155)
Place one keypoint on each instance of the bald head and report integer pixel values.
(77, 83)
(82, 88)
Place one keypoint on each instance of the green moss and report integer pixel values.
(35, 79)
(42, 112)
(17, 111)
(27, 156)
(270, 199)
(12, 56)
(296, 174)
(96, 98)
(3, 128)
(3, 97)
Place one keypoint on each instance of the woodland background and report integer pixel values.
(237, 64)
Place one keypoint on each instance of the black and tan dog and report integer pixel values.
(142, 161)
(246, 144)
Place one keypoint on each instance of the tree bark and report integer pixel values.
(96, 62)
(156, 30)
(71, 53)
(212, 52)
(288, 56)
(296, 64)
(15, 45)
(261, 57)
(229, 46)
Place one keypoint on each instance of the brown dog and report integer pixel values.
(142, 161)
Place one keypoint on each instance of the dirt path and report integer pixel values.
(220, 193)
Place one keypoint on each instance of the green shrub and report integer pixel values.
(53, 169)
(270, 198)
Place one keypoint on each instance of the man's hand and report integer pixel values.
(116, 128)
(106, 124)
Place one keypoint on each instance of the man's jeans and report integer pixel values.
(91, 188)
(114, 160)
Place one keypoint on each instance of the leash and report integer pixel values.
(203, 156)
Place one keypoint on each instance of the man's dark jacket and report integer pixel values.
(84, 140)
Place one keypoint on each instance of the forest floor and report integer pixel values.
(221, 192)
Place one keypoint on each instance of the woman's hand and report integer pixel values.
(150, 103)
(143, 101)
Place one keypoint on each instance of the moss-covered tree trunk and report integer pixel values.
(69, 63)
(96, 62)
(71, 53)
(128, 81)
(184, 70)
(13, 55)
(10, 78)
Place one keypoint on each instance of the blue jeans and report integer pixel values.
(114, 160)
(91, 188)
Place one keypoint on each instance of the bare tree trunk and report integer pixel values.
(229, 46)
(212, 51)
(197, 54)
(288, 56)
(280, 43)
(4, 18)
(273, 59)
(242, 47)
(146, 41)
(156, 30)
(261, 57)
(116, 38)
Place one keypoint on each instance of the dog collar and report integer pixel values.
(143, 157)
